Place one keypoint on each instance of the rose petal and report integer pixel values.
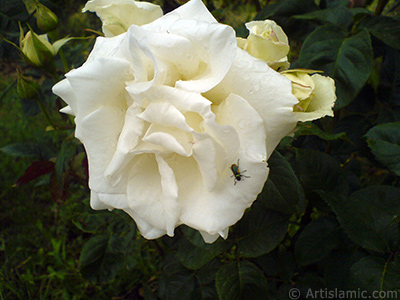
(322, 101)
(118, 15)
(236, 112)
(192, 10)
(205, 153)
(64, 90)
(213, 212)
(267, 41)
(172, 139)
(128, 139)
(165, 114)
(147, 230)
(186, 102)
(101, 127)
(99, 83)
(107, 47)
(153, 192)
(175, 50)
(214, 44)
(119, 201)
(266, 90)
(95, 202)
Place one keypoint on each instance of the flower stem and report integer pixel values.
(380, 7)
(46, 113)
(63, 60)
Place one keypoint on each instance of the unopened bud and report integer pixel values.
(27, 88)
(37, 49)
(46, 20)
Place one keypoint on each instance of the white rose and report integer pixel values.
(118, 15)
(267, 41)
(316, 94)
(165, 109)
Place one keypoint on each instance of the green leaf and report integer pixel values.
(194, 257)
(316, 241)
(374, 274)
(176, 282)
(320, 172)
(386, 29)
(369, 216)
(340, 17)
(391, 277)
(57, 45)
(241, 280)
(389, 84)
(28, 149)
(102, 257)
(335, 3)
(93, 222)
(206, 275)
(278, 263)
(10, 12)
(260, 231)
(348, 59)
(337, 262)
(67, 152)
(193, 236)
(384, 141)
(282, 191)
(309, 128)
(286, 8)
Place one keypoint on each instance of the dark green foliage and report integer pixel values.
(327, 218)
(242, 280)
(368, 216)
(102, 257)
(347, 59)
(282, 191)
(317, 240)
(384, 141)
(260, 231)
(193, 253)
(386, 29)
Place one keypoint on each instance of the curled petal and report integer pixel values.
(64, 90)
(322, 100)
(205, 61)
(165, 114)
(173, 140)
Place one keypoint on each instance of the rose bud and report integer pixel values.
(46, 20)
(267, 42)
(316, 94)
(36, 49)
